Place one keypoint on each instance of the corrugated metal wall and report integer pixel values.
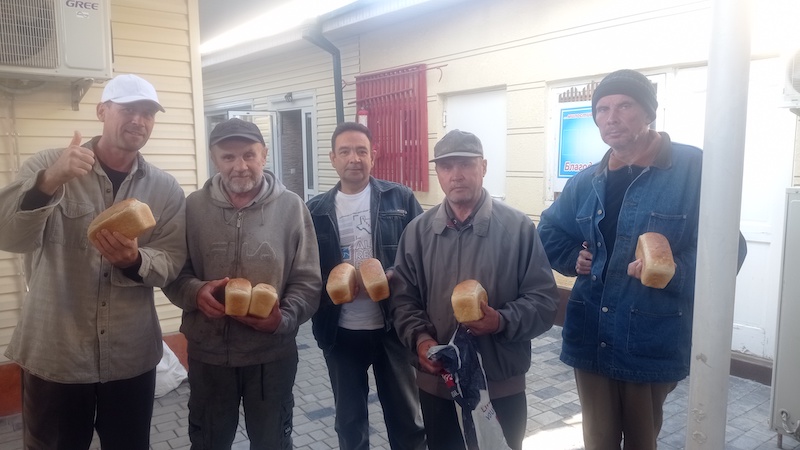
(152, 39)
(396, 103)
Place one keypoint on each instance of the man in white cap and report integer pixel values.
(88, 339)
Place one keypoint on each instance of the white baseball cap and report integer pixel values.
(128, 89)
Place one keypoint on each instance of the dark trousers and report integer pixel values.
(348, 361)
(265, 391)
(64, 416)
(613, 409)
(444, 432)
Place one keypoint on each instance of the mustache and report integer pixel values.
(135, 130)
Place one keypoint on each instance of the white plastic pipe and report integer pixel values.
(720, 209)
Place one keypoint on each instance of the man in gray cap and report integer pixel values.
(89, 340)
(472, 236)
(629, 343)
(244, 223)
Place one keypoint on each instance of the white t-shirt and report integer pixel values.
(355, 240)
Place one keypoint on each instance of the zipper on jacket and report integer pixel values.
(377, 247)
(236, 255)
(238, 244)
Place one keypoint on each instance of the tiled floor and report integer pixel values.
(554, 420)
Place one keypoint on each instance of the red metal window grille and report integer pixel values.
(395, 104)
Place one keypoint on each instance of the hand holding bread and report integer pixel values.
(210, 298)
(343, 282)
(130, 217)
(242, 299)
(466, 299)
(657, 263)
(471, 308)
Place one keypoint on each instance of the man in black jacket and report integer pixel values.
(360, 218)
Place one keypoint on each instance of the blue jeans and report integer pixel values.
(348, 361)
(265, 390)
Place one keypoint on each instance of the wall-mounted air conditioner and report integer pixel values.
(55, 39)
(791, 83)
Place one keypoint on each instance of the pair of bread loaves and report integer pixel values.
(243, 299)
(343, 281)
(658, 266)
(466, 299)
(130, 217)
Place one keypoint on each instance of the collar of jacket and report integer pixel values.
(139, 168)
(327, 201)
(480, 222)
(663, 159)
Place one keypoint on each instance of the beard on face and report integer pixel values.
(241, 185)
(459, 196)
(133, 140)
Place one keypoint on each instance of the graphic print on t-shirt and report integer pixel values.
(355, 237)
(355, 240)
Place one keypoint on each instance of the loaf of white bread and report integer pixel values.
(130, 217)
(466, 299)
(658, 266)
(237, 296)
(342, 284)
(262, 300)
(244, 299)
(374, 279)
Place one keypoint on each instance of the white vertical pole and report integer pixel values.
(720, 208)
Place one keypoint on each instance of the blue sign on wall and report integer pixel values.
(580, 145)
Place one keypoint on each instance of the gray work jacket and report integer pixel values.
(84, 321)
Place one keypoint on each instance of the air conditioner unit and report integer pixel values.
(791, 83)
(55, 39)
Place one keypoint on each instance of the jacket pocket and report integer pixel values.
(391, 225)
(575, 323)
(655, 335)
(585, 227)
(69, 223)
(670, 225)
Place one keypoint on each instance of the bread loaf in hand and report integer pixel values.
(262, 300)
(130, 217)
(237, 297)
(466, 299)
(374, 279)
(342, 284)
(658, 266)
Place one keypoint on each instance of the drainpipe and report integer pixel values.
(315, 37)
(718, 235)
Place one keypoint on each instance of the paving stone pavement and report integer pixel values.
(554, 420)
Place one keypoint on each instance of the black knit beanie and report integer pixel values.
(630, 83)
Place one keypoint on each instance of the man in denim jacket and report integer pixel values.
(629, 344)
(360, 218)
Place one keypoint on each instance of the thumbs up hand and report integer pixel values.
(74, 161)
